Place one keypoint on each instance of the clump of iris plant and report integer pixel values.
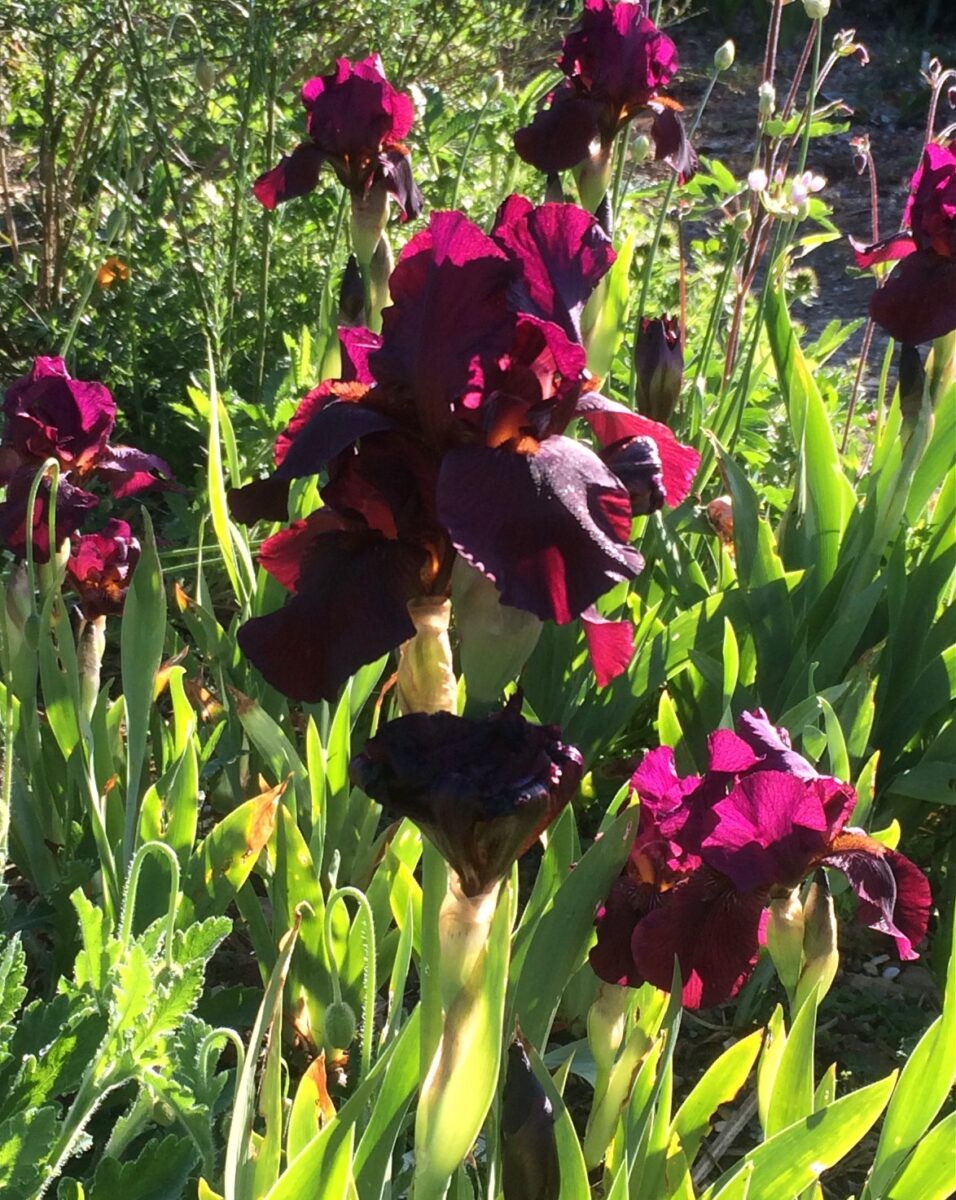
(615, 62)
(48, 415)
(713, 851)
(917, 301)
(448, 437)
(356, 123)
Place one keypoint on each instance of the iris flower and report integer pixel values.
(356, 123)
(713, 850)
(615, 64)
(482, 791)
(48, 414)
(448, 436)
(100, 567)
(917, 303)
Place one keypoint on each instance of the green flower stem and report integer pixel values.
(465, 154)
(881, 391)
(91, 1093)
(811, 97)
(132, 884)
(370, 987)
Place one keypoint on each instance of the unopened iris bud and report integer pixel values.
(785, 938)
(724, 56)
(816, 10)
(339, 1025)
(352, 295)
(90, 648)
(529, 1148)
(766, 99)
(606, 1021)
(820, 953)
(659, 362)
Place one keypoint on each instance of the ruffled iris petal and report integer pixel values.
(551, 528)
(296, 174)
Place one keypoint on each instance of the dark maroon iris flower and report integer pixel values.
(482, 791)
(615, 64)
(463, 405)
(917, 302)
(100, 567)
(72, 506)
(713, 850)
(356, 123)
(48, 414)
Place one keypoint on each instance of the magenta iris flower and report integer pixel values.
(48, 414)
(917, 302)
(713, 850)
(482, 791)
(615, 64)
(449, 435)
(100, 567)
(356, 123)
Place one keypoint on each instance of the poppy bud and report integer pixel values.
(642, 147)
(205, 73)
(529, 1150)
(426, 677)
(339, 1025)
(724, 56)
(659, 361)
(816, 10)
(820, 953)
(785, 938)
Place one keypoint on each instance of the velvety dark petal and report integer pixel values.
(617, 54)
(100, 567)
(931, 208)
(772, 745)
(679, 807)
(917, 303)
(390, 484)
(893, 894)
(449, 321)
(671, 143)
(396, 167)
(767, 831)
(50, 415)
(287, 554)
(563, 253)
(729, 753)
(560, 135)
(350, 608)
(612, 422)
(482, 791)
(354, 110)
(296, 174)
(637, 463)
(333, 428)
(127, 471)
(357, 345)
(610, 957)
(72, 506)
(550, 528)
(710, 928)
(262, 500)
(610, 645)
(529, 1150)
(888, 250)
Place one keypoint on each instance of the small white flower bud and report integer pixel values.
(816, 10)
(724, 56)
(766, 99)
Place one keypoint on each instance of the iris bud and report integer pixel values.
(339, 1025)
(529, 1150)
(821, 956)
(724, 56)
(89, 658)
(352, 295)
(426, 678)
(659, 360)
(785, 938)
(606, 1021)
(766, 99)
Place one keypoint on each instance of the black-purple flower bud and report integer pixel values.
(659, 362)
